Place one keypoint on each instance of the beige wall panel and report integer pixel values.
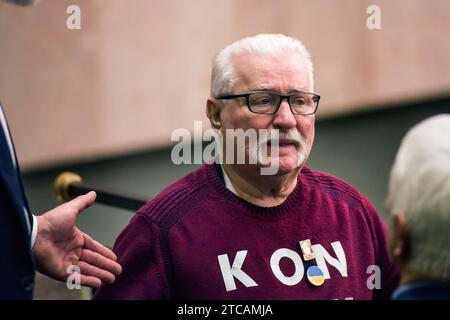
(139, 69)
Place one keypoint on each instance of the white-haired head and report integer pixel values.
(224, 77)
(419, 188)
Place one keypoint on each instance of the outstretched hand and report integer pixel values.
(60, 244)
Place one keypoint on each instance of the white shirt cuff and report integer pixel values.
(34, 231)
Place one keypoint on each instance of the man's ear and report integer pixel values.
(400, 249)
(213, 112)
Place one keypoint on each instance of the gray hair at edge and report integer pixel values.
(223, 76)
(419, 187)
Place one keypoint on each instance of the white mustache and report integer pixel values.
(257, 150)
(276, 137)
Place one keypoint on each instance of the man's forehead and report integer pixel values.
(270, 72)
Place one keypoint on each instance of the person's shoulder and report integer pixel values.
(177, 198)
(334, 187)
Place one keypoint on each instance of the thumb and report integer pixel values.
(82, 202)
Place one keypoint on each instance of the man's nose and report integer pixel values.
(284, 118)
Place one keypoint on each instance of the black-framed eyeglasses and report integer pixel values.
(267, 102)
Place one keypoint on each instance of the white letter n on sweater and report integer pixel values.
(231, 272)
(322, 255)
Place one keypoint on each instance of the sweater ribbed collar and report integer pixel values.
(216, 182)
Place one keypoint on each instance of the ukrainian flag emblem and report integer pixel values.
(315, 276)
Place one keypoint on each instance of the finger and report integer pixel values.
(97, 247)
(88, 281)
(92, 271)
(100, 261)
(82, 202)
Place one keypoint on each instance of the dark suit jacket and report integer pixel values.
(16, 262)
(426, 290)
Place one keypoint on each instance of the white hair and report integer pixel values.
(224, 77)
(419, 187)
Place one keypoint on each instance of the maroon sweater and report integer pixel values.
(198, 240)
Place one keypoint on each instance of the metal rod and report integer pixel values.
(69, 185)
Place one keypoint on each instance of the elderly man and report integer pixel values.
(419, 199)
(228, 231)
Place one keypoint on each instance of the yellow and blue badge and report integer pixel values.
(315, 276)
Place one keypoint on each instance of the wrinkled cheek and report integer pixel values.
(309, 132)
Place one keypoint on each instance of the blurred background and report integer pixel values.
(103, 100)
